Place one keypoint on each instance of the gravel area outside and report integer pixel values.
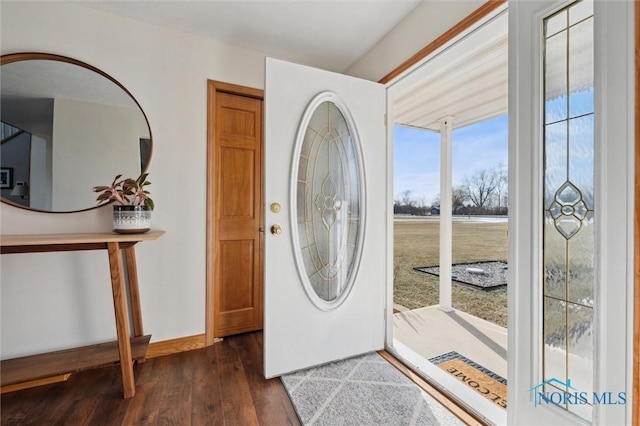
(493, 275)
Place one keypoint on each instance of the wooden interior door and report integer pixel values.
(237, 240)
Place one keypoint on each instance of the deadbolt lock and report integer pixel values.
(275, 207)
(276, 230)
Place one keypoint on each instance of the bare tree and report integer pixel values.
(481, 187)
(406, 200)
(421, 206)
(405, 204)
(458, 197)
(436, 202)
(502, 189)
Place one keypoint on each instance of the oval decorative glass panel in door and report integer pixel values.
(328, 198)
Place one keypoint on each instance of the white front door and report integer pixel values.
(325, 217)
(570, 212)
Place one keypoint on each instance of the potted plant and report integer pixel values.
(132, 211)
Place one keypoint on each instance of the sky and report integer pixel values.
(417, 156)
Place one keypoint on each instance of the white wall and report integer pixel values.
(94, 141)
(424, 24)
(40, 181)
(59, 300)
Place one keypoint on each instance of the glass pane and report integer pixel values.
(327, 202)
(556, 78)
(555, 260)
(338, 123)
(580, 10)
(581, 261)
(319, 119)
(319, 286)
(302, 169)
(580, 361)
(306, 257)
(581, 156)
(555, 160)
(581, 68)
(555, 340)
(581, 347)
(556, 23)
(308, 142)
(301, 188)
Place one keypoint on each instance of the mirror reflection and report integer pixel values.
(65, 127)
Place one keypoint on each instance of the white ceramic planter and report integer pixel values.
(131, 219)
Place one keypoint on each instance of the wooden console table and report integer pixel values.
(35, 367)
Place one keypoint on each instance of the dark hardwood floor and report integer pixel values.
(219, 385)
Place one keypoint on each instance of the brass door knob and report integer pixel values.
(276, 230)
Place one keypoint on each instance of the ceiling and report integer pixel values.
(328, 34)
(28, 88)
(467, 81)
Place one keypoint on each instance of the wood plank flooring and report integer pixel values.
(219, 385)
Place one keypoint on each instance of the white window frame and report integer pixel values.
(614, 106)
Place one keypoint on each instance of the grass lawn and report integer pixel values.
(416, 244)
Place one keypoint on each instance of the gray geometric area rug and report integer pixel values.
(486, 275)
(365, 390)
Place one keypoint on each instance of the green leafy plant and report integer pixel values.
(126, 191)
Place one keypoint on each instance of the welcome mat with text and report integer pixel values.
(482, 380)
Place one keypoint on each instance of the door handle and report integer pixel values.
(276, 230)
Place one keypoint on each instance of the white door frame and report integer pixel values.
(478, 404)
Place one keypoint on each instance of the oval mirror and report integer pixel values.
(328, 199)
(66, 127)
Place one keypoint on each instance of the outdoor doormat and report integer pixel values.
(480, 379)
(364, 390)
(486, 275)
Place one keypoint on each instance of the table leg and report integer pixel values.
(134, 293)
(122, 320)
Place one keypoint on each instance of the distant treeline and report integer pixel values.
(483, 193)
